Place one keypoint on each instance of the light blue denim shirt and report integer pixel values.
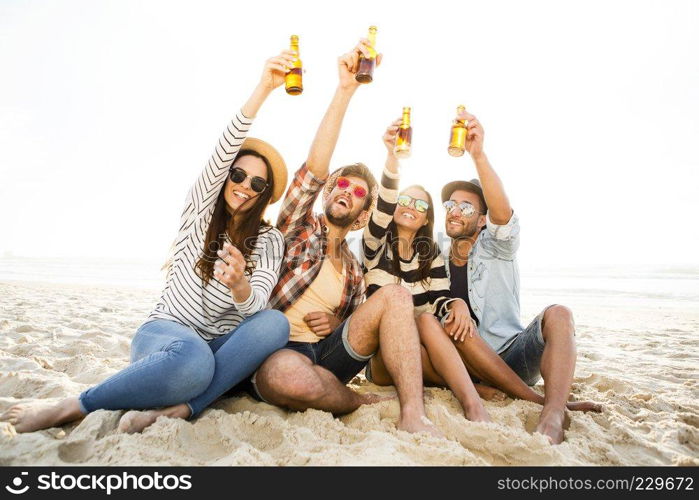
(493, 282)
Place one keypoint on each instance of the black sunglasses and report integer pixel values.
(238, 175)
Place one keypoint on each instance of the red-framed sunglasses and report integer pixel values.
(357, 190)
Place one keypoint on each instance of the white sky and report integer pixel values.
(108, 111)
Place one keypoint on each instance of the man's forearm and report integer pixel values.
(328, 132)
(494, 192)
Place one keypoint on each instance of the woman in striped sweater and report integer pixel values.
(210, 329)
(398, 247)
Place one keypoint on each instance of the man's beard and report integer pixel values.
(341, 221)
(464, 234)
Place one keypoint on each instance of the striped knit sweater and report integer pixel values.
(211, 310)
(432, 297)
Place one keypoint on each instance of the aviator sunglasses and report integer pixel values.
(467, 209)
(420, 205)
(238, 175)
(344, 183)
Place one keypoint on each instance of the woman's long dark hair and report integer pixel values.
(423, 244)
(243, 236)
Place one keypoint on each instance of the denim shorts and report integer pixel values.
(334, 353)
(523, 354)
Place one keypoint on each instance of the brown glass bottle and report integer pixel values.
(404, 136)
(365, 73)
(459, 131)
(294, 77)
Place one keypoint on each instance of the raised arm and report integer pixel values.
(380, 218)
(329, 130)
(499, 209)
(202, 196)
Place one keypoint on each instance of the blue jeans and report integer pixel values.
(172, 364)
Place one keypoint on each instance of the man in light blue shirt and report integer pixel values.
(482, 266)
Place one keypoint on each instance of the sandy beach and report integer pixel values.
(636, 355)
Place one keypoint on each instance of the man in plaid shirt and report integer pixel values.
(321, 290)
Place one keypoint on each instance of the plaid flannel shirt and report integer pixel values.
(305, 234)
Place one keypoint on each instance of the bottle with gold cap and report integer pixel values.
(294, 77)
(365, 74)
(459, 132)
(404, 136)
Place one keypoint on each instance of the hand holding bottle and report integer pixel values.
(475, 134)
(274, 72)
(348, 64)
(389, 137)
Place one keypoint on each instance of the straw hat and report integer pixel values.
(276, 162)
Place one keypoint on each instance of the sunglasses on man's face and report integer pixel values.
(238, 175)
(467, 209)
(358, 191)
(420, 205)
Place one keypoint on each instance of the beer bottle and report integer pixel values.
(459, 131)
(404, 136)
(365, 74)
(294, 78)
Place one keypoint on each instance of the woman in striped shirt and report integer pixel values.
(210, 329)
(398, 247)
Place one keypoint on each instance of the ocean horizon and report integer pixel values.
(678, 283)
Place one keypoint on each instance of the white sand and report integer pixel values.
(639, 359)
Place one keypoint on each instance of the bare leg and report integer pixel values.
(387, 319)
(557, 369)
(448, 364)
(481, 360)
(135, 421)
(291, 380)
(484, 363)
(30, 418)
(380, 376)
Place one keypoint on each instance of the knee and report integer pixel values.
(285, 378)
(558, 314)
(427, 325)
(193, 369)
(270, 328)
(396, 295)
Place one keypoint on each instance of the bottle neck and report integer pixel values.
(406, 119)
(460, 110)
(372, 43)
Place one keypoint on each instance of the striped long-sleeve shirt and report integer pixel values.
(433, 296)
(210, 309)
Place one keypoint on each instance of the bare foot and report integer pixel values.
(369, 398)
(421, 424)
(477, 413)
(490, 393)
(135, 421)
(584, 406)
(551, 425)
(30, 418)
